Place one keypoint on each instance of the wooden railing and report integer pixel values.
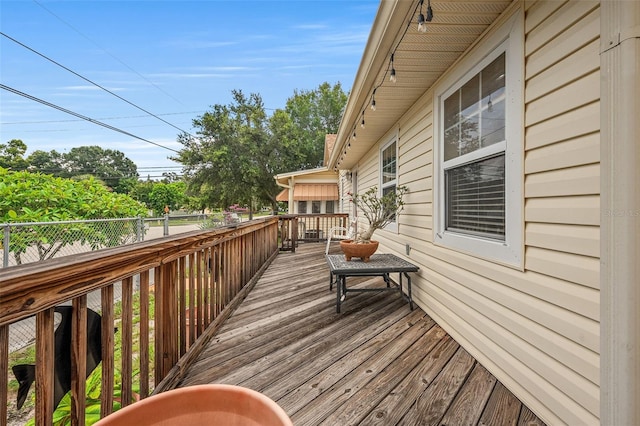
(308, 228)
(188, 285)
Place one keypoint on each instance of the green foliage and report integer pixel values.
(12, 155)
(379, 211)
(239, 149)
(167, 194)
(111, 166)
(314, 114)
(231, 160)
(36, 197)
(62, 414)
(46, 162)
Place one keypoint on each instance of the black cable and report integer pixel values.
(92, 82)
(84, 117)
(103, 118)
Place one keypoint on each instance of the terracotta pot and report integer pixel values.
(363, 250)
(202, 405)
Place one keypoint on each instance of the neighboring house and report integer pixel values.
(313, 191)
(515, 126)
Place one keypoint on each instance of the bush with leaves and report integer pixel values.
(35, 197)
(379, 210)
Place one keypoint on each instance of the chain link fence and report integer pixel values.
(36, 241)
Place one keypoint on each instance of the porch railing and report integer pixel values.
(173, 289)
(308, 228)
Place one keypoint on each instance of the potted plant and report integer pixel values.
(379, 212)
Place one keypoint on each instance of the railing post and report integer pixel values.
(140, 231)
(166, 225)
(294, 234)
(5, 245)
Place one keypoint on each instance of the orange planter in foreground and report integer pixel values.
(214, 404)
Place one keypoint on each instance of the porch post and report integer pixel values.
(620, 213)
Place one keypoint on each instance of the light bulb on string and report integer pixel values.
(373, 100)
(392, 74)
(362, 122)
(421, 21)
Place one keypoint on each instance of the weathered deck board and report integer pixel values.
(377, 362)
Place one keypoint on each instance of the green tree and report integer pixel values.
(313, 114)
(112, 166)
(239, 149)
(37, 197)
(12, 155)
(140, 192)
(231, 160)
(163, 194)
(49, 162)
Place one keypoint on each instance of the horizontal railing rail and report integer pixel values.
(172, 288)
(308, 228)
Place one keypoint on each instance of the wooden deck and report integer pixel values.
(375, 363)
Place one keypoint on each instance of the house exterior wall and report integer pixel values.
(318, 177)
(535, 326)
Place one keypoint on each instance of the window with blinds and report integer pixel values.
(478, 121)
(474, 145)
(475, 198)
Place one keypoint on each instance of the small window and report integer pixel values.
(388, 169)
(302, 207)
(315, 207)
(329, 207)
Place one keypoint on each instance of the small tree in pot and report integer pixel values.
(379, 211)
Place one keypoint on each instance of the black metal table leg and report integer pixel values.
(409, 290)
(338, 291)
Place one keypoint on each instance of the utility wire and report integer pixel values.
(103, 118)
(84, 117)
(92, 82)
(107, 52)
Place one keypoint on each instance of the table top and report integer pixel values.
(378, 263)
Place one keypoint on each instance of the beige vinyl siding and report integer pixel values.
(536, 329)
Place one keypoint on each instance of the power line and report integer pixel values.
(107, 52)
(103, 118)
(84, 117)
(92, 82)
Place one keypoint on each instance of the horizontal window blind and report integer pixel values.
(476, 198)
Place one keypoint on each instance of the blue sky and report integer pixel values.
(174, 59)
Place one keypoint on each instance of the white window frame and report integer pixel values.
(392, 226)
(507, 38)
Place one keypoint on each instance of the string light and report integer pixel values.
(392, 74)
(421, 21)
(391, 70)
